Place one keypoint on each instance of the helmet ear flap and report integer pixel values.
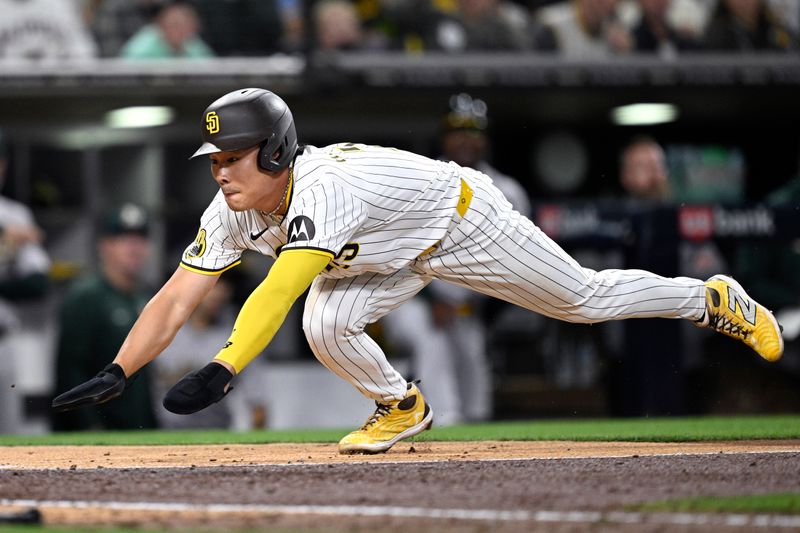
(265, 160)
(276, 154)
(265, 157)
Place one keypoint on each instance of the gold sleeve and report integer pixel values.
(266, 308)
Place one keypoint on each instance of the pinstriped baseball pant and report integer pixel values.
(495, 251)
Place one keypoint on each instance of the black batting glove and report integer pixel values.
(107, 385)
(199, 389)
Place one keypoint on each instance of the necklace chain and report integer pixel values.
(283, 198)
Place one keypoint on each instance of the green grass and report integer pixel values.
(781, 503)
(639, 429)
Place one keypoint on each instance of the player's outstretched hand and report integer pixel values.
(199, 389)
(110, 383)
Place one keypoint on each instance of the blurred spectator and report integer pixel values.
(643, 171)
(690, 17)
(493, 25)
(747, 25)
(788, 12)
(209, 326)
(586, 29)
(453, 26)
(244, 27)
(337, 25)
(42, 30)
(410, 25)
(655, 33)
(96, 316)
(113, 22)
(172, 33)
(23, 277)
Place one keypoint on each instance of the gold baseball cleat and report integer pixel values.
(390, 423)
(729, 310)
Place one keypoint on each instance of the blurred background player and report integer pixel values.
(645, 180)
(443, 329)
(96, 315)
(209, 325)
(465, 141)
(643, 171)
(23, 279)
(644, 175)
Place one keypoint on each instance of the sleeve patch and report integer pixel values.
(301, 228)
(198, 247)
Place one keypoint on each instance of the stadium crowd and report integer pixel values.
(582, 29)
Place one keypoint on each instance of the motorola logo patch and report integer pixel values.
(301, 229)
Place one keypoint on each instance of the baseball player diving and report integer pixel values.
(366, 228)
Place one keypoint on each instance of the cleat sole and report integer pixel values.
(383, 447)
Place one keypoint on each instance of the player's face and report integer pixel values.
(464, 147)
(244, 184)
(644, 172)
(125, 254)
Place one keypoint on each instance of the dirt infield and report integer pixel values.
(431, 486)
(38, 457)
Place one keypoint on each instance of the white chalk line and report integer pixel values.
(300, 463)
(490, 515)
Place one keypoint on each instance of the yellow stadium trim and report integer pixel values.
(207, 272)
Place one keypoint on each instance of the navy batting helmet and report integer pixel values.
(250, 117)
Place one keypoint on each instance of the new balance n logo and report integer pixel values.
(747, 307)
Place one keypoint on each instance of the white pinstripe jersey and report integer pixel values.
(375, 209)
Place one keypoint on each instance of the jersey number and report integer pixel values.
(349, 147)
(348, 253)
